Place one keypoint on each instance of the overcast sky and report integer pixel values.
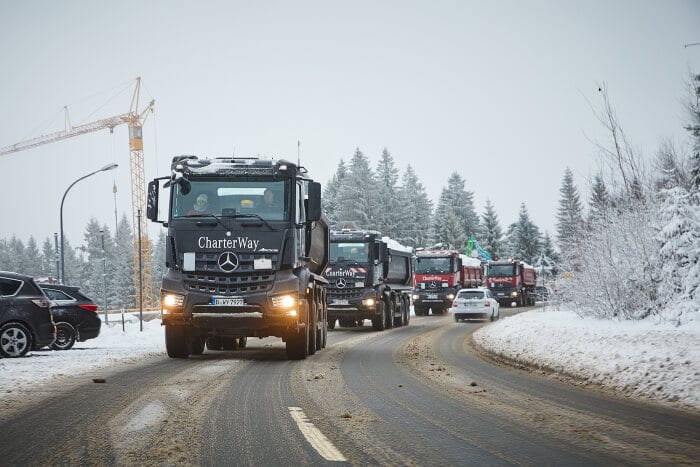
(497, 91)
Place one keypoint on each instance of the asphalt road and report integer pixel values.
(414, 395)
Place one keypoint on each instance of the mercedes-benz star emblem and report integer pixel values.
(340, 283)
(228, 261)
(433, 285)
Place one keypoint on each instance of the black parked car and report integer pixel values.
(74, 313)
(25, 316)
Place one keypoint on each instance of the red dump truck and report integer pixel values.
(512, 281)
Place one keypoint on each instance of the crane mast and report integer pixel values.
(134, 120)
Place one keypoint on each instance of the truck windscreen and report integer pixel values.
(268, 199)
(433, 265)
(350, 251)
(501, 270)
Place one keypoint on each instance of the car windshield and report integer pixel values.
(432, 265)
(350, 251)
(266, 199)
(501, 270)
(471, 295)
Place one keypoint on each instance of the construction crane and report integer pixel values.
(134, 120)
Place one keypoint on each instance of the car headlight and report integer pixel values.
(173, 300)
(368, 302)
(450, 296)
(415, 296)
(284, 301)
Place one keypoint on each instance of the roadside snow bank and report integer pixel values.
(657, 361)
(41, 367)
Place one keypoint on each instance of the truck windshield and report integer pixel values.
(501, 270)
(350, 251)
(266, 199)
(433, 265)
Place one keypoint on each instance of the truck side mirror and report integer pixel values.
(383, 256)
(152, 201)
(313, 212)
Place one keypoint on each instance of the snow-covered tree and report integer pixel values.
(414, 211)
(123, 279)
(524, 237)
(357, 200)
(48, 259)
(387, 220)
(32, 258)
(599, 201)
(330, 193)
(569, 214)
(455, 218)
(491, 238)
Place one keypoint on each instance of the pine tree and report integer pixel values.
(569, 214)
(48, 259)
(16, 259)
(455, 201)
(599, 201)
(491, 238)
(387, 219)
(415, 211)
(330, 193)
(32, 258)
(694, 129)
(123, 281)
(158, 263)
(357, 201)
(4, 255)
(524, 238)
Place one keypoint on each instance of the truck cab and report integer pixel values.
(437, 280)
(245, 251)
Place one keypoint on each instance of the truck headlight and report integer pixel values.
(173, 300)
(368, 302)
(514, 294)
(415, 296)
(284, 301)
(450, 296)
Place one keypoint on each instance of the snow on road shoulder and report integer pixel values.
(656, 361)
(112, 346)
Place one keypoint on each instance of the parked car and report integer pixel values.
(478, 302)
(25, 316)
(75, 315)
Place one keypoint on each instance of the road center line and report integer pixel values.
(313, 435)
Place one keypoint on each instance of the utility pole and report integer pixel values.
(104, 275)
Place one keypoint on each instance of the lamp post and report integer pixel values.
(105, 168)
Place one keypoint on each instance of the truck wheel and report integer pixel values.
(214, 343)
(196, 345)
(229, 343)
(379, 322)
(324, 334)
(177, 341)
(399, 321)
(390, 314)
(313, 325)
(407, 310)
(298, 342)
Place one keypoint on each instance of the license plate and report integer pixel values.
(500, 294)
(340, 302)
(228, 301)
(432, 296)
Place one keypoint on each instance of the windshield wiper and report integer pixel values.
(253, 216)
(218, 219)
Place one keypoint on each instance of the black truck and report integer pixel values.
(246, 248)
(369, 277)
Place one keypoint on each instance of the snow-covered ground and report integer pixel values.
(640, 358)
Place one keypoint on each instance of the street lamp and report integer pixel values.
(103, 169)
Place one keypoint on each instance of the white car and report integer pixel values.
(475, 303)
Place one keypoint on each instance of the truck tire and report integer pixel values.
(229, 343)
(313, 325)
(400, 320)
(196, 345)
(379, 321)
(331, 323)
(389, 316)
(214, 343)
(408, 310)
(298, 342)
(177, 341)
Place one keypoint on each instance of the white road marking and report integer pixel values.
(313, 435)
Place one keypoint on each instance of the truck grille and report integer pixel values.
(343, 294)
(208, 278)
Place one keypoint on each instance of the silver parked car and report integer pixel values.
(475, 303)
